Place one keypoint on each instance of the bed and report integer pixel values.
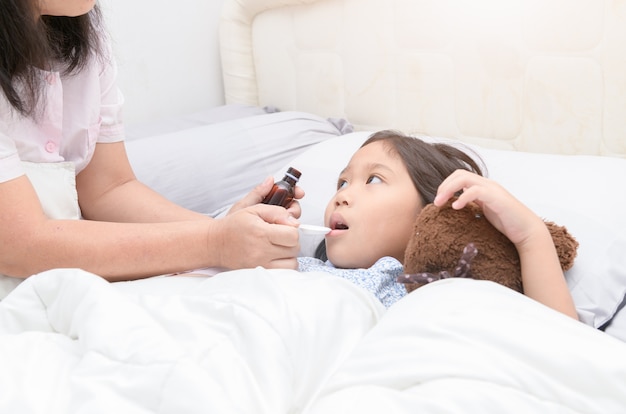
(536, 88)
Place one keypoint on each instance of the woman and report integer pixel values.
(60, 110)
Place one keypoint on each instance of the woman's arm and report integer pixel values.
(542, 275)
(109, 191)
(131, 232)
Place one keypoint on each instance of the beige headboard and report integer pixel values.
(531, 75)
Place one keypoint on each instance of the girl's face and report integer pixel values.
(372, 213)
(69, 8)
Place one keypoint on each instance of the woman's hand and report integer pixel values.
(258, 235)
(258, 193)
(265, 235)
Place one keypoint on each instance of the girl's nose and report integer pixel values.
(341, 199)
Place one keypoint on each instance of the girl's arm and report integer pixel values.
(542, 275)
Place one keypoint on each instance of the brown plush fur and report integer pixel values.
(441, 234)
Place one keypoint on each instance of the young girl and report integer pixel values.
(382, 190)
(60, 110)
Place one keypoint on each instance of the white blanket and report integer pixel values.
(258, 341)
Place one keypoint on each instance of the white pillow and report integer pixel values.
(209, 167)
(617, 326)
(207, 116)
(581, 193)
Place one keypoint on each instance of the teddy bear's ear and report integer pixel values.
(566, 245)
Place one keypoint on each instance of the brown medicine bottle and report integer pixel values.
(283, 191)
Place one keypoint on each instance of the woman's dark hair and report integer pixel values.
(428, 164)
(29, 43)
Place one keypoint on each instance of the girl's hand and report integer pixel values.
(542, 275)
(502, 209)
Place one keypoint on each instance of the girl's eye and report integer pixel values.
(341, 184)
(374, 180)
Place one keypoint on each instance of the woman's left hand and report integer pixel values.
(258, 193)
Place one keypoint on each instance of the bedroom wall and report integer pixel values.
(168, 55)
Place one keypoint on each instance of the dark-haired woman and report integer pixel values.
(68, 196)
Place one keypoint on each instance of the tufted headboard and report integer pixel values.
(530, 75)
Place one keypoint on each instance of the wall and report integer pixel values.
(168, 55)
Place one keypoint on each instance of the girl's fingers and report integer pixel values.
(458, 181)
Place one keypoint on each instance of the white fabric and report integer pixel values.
(464, 346)
(249, 341)
(258, 341)
(55, 185)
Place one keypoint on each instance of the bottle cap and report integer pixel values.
(293, 173)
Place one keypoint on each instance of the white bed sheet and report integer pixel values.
(258, 341)
(464, 346)
(249, 341)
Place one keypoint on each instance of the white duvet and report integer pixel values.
(258, 341)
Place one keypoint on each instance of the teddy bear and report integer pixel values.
(462, 243)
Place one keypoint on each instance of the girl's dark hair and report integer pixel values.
(29, 43)
(428, 164)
